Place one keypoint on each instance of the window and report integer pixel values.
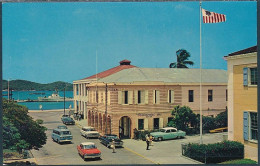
(170, 119)
(170, 96)
(210, 95)
(253, 76)
(141, 97)
(156, 97)
(226, 95)
(125, 96)
(253, 126)
(140, 124)
(190, 95)
(156, 123)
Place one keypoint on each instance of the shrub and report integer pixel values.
(215, 153)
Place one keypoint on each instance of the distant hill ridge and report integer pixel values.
(29, 85)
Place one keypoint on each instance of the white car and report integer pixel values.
(89, 132)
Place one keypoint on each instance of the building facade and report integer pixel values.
(143, 98)
(242, 99)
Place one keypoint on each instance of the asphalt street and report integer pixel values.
(53, 153)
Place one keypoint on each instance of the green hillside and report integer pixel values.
(28, 85)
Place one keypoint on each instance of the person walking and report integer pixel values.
(147, 138)
(151, 140)
(113, 146)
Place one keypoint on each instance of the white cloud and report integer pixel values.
(182, 7)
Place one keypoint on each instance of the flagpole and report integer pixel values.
(200, 82)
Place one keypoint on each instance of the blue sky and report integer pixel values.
(47, 42)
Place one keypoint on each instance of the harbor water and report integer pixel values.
(33, 95)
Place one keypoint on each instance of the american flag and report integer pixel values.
(211, 17)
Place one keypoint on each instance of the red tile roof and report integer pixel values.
(245, 51)
(124, 64)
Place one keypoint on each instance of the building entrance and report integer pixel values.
(125, 127)
(156, 123)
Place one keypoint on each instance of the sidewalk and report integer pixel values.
(159, 153)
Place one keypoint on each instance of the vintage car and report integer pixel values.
(107, 140)
(167, 133)
(64, 116)
(89, 132)
(61, 135)
(68, 120)
(88, 150)
(62, 127)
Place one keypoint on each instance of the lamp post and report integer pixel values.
(64, 100)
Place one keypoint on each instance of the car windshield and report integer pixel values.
(89, 129)
(62, 127)
(112, 137)
(162, 130)
(68, 119)
(66, 133)
(89, 146)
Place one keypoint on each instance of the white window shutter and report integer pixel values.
(146, 96)
(136, 124)
(168, 96)
(145, 124)
(108, 97)
(161, 123)
(136, 97)
(154, 97)
(130, 97)
(119, 97)
(172, 96)
(157, 97)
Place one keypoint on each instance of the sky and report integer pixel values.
(47, 42)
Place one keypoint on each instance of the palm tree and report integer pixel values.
(182, 59)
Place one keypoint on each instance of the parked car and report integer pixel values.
(107, 140)
(89, 132)
(167, 133)
(63, 116)
(68, 120)
(62, 127)
(88, 150)
(61, 135)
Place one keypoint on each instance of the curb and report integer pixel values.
(192, 159)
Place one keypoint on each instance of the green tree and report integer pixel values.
(183, 118)
(182, 59)
(30, 131)
(221, 119)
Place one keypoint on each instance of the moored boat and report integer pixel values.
(54, 97)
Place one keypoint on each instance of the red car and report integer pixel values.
(88, 150)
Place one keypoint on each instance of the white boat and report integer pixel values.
(54, 97)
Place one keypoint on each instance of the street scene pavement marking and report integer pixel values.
(130, 150)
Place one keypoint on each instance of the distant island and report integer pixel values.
(28, 85)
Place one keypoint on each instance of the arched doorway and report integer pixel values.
(125, 127)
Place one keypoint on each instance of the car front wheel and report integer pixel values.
(160, 139)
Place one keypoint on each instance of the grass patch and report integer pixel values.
(11, 154)
(241, 161)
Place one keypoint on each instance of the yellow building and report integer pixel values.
(242, 99)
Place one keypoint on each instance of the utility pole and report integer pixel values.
(64, 100)
(106, 111)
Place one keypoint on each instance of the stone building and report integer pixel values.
(142, 98)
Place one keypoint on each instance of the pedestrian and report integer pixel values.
(121, 132)
(147, 137)
(151, 140)
(40, 106)
(135, 133)
(113, 146)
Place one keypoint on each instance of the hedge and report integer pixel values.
(215, 153)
